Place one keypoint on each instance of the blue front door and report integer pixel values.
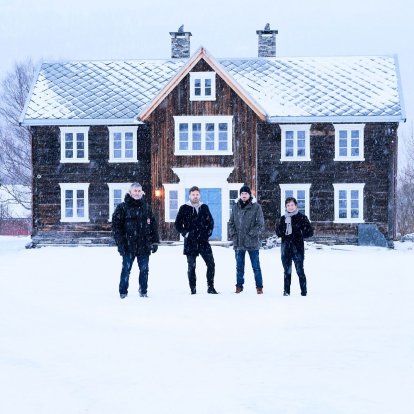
(212, 197)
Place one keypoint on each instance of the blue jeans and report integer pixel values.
(127, 262)
(254, 259)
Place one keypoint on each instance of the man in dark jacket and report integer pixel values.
(293, 227)
(245, 225)
(136, 234)
(195, 223)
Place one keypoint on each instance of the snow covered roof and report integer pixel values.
(291, 89)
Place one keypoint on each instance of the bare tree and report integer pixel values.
(15, 140)
(405, 190)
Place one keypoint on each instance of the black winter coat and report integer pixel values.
(195, 227)
(134, 227)
(301, 229)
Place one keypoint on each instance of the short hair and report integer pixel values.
(193, 188)
(289, 199)
(135, 185)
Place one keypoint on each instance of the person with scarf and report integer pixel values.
(245, 225)
(136, 235)
(293, 227)
(195, 223)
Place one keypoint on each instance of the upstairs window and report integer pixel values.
(122, 144)
(74, 205)
(295, 142)
(202, 86)
(349, 203)
(199, 135)
(74, 144)
(349, 142)
(117, 192)
(300, 192)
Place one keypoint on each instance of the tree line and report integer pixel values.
(16, 163)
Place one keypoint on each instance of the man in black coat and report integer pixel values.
(136, 234)
(293, 227)
(195, 223)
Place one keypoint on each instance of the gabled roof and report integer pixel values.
(295, 89)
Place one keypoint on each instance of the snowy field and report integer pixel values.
(70, 345)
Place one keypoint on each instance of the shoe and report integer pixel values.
(286, 294)
(143, 295)
(123, 295)
(259, 291)
(193, 290)
(212, 290)
(239, 289)
(304, 293)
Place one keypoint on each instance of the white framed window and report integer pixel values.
(74, 144)
(74, 202)
(300, 192)
(349, 203)
(203, 135)
(349, 142)
(122, 144)
(295, 142)
(233, 197)
(172, 201)
(202, 86)
(117, 192)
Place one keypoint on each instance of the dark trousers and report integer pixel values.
(291, 253)
(254, 259)
(209, 260)
(127, 262)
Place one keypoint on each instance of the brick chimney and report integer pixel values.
(180, 43)
(267, 42)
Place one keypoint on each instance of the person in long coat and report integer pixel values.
(245, 226)
(195, 223)
(293, 227)
(135, 231)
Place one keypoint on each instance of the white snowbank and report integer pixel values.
(70, 345)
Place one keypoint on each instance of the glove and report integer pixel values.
(154, 248)
(121, 250)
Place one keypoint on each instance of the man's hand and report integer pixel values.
(154, 248)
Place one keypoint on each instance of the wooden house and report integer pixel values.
(323, 129)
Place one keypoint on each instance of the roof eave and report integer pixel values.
(330, 119)
(79, 122)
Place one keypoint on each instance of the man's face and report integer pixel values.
(291, 206)
(195, 197)
(136, 193)
(244, 196)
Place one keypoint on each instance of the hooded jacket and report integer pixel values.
(195, 227)
(246, 224)
(134, 227)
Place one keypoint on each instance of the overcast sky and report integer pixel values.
(128, 29)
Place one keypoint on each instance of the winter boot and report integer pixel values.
(259, 291)
(212, 290)
(193, 290)
(286, 294)
(239, 289)
(123, 295)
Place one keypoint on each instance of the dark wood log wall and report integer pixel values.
(378, 172)
(178, 103)
(48, 172)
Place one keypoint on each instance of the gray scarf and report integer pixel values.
(288, 220)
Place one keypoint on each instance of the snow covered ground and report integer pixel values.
(70, 345)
